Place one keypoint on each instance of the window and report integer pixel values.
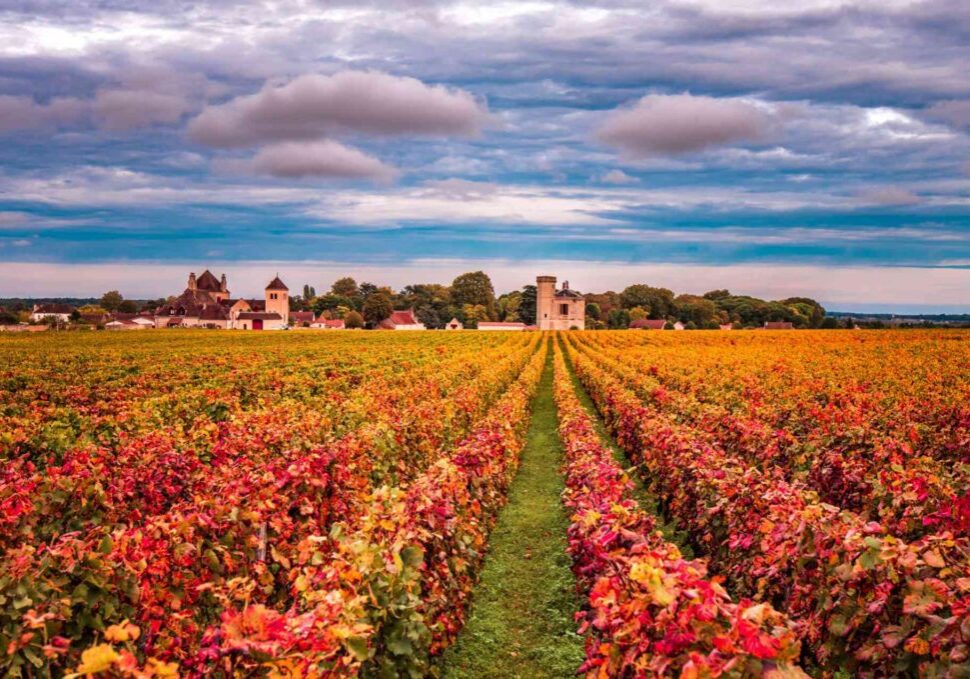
(272, 295)
(563, 309)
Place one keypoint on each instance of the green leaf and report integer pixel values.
(358, 646)
(412, 556)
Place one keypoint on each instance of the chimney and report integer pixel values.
(223, 285)
(565, 285)
(192, 281)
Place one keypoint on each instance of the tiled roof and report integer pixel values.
(276, 284)
(403, 318)
(302, 316)
(208, 282)
(53, 309)
(648, 324)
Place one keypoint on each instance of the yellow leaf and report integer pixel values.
(97, 659)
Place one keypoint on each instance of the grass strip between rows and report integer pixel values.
(521, 623)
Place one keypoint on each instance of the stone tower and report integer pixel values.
(278, 298)
(558, 309)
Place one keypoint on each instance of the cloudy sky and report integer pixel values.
(813, 146)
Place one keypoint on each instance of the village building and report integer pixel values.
(206, 303)
(401, 320)
(778, 325)
(455, 324)
(328, 324)
(563, 309)
(44, 312)
(302, 319)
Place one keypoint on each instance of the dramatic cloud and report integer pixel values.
(889, 196)
(23, 113)
(297, 160)
(123, 109)
(312, 106)
(683, 123)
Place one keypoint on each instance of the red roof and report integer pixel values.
(648, 324)
(403, 317)
(302, 316)
(778, 325)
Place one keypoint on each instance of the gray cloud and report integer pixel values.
(124, 109)
(889, 196)
(23, 113)
(325, 158)
(312, 106)
(955, 113)
(683, 123)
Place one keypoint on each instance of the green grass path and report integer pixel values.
(521, 622)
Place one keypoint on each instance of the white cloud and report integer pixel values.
(618, 177)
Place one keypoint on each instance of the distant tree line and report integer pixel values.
(707, 311)
(471, 299)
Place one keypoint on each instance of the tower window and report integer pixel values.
(563, 309)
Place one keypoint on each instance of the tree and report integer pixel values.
(618, 319)
(431, 303)
(660, 301)
(7, 317)
(377, 307)
(128, 306)
(829, 323)
(332, 302)
(700, 311)
(593, 311)
(353, 320)
(812, 311)
(344, 287)
(473, 314)
(527, 305)
(508, 306)
(111, 300)
(638, 312)
(308, 292)
(715, 295)
(475, 289)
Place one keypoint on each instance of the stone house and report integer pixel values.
(558, 309)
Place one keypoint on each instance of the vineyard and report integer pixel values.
(323, 504)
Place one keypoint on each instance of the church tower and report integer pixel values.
(278, 299)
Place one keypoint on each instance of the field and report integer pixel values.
(340, 504)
